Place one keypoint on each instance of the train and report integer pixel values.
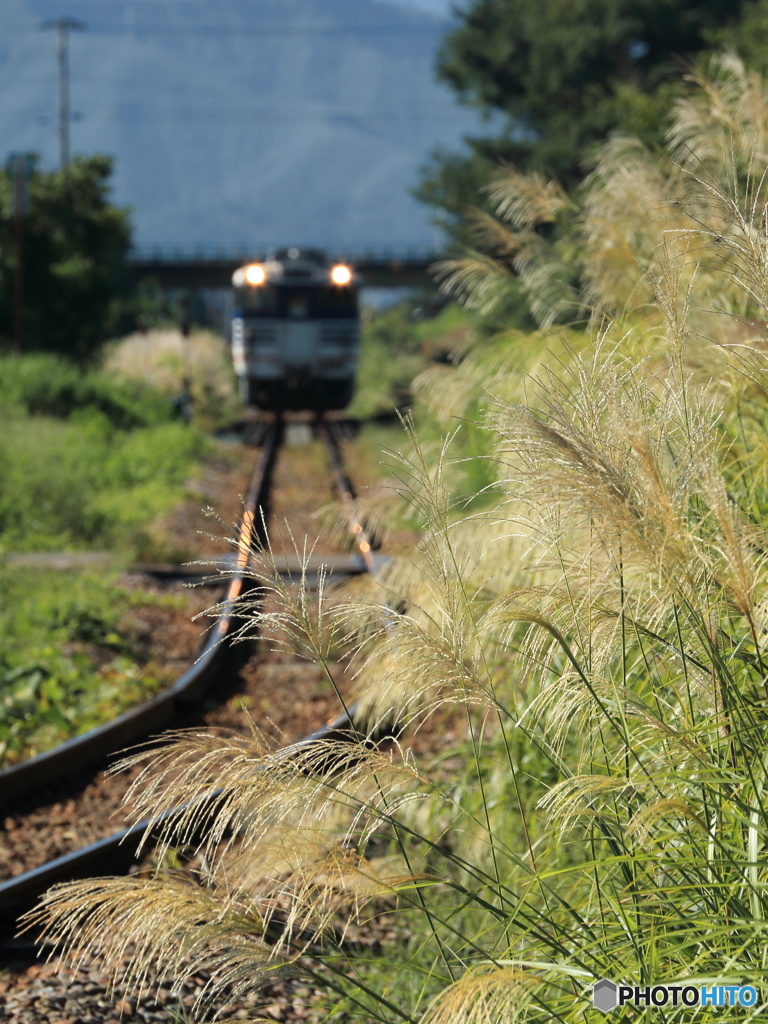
(296, 331)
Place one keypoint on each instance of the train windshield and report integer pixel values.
(317, 303)
(261, 301)
(334, 301)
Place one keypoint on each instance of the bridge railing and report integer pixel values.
(413, 255)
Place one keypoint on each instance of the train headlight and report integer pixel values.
(255, 274)
(341, 274)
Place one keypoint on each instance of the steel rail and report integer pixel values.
(119, 852)
(97, 744)
(115, 854)
(329, 432)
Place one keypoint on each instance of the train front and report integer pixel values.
(296, 331)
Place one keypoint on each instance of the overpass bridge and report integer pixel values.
(394, 267)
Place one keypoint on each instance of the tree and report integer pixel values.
(74, 247)
(563, 74)
(748, 36)
(607, 249)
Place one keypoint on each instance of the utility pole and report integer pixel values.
(19, 166)
(64, 26)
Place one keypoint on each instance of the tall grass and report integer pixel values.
(600, 630)
(166, 361)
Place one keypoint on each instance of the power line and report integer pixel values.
(255, 30)
(241, 114)
(297, 108)
(246, 30)
(214, 112)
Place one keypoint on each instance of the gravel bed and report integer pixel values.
(287, 697)
(50, 994)
(302, 485)
(222, 486)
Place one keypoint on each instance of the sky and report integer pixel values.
(285, 121)
(439, 7)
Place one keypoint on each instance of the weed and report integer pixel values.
(47, 385)
(67, 660)
(394, 348)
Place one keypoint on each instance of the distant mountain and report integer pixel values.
(258, 122)
(440, 8)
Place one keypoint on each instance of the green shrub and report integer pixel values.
(49, 385)
(82, 483)
(394, 349)
(168, 360)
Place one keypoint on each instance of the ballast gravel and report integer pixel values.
(44, 994)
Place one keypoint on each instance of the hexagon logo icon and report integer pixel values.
(604, 995)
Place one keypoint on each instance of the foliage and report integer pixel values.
(748, 36)
(557, 71)
(163, 360)
(604, 249)
(67, 659)
(452, 181)
(394, 348)
(83, 484)
(87, 460)
(151, 307)
(557, 79)
(50, 385)
(74, 246)
(600, 629)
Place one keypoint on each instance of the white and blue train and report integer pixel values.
(296, 331)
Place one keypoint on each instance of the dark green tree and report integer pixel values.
(74, 247)
(560, 75)
(748, 36)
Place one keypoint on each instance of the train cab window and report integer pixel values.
(297, 306)
(297, 303)
(335, 302)
(261, 301)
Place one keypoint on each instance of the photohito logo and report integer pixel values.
(606, 995)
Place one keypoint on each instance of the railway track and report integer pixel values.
(117, 853)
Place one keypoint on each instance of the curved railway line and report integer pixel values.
(117, 853)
